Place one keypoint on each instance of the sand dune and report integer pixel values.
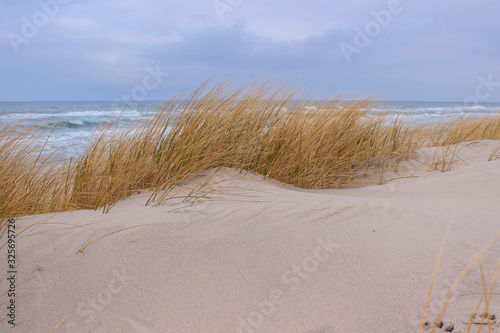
(249, 255)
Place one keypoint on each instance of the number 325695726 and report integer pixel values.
(11, 235)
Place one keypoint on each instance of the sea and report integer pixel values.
(71, 124)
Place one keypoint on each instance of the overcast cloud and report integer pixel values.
(100, 50)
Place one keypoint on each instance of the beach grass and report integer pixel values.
(260, 127)
(465, 129)
(478, 319)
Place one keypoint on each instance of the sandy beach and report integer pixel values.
(246, 254)
(249, 166)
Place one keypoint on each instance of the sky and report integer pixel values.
(400, 50)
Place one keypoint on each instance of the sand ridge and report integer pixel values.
(249, 255)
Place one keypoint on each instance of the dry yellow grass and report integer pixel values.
(259, 127)
(465, 130)
(487, 289)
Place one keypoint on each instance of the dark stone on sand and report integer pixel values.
(449, 328)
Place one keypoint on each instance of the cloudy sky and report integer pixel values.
(423, 50)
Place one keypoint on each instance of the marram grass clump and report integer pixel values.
(466, 129)
(261, 127)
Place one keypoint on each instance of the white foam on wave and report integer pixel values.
(74, 114)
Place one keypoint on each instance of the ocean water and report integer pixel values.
(70, 125)
(76, 121)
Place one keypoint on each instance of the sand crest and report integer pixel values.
(249, 255)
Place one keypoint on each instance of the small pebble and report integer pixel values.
(449, 328)
(438, 323)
